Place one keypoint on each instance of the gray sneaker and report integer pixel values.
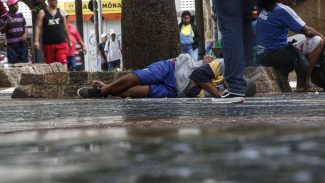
(89, 92)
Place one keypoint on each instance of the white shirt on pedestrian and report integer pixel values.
(112, 50)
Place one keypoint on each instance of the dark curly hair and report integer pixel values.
(186, 13)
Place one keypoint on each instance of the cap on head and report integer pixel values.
(12, 2)
(103, 35)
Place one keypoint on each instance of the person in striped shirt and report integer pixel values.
(13, 24)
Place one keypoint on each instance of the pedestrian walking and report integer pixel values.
(75, 39)
(113, 50)
(101, 52)
(56, 40)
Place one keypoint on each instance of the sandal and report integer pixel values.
(310, 89)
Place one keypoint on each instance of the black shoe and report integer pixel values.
(228, 94)
(89, 92)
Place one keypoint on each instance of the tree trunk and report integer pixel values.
(149, 32)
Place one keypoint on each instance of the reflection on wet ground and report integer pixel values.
(214, 155)
(265, 139)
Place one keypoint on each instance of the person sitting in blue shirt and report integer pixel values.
(273, 49)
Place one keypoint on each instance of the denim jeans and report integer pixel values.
(17, 54)
(234, 18)
(114, 64)
(72, 63)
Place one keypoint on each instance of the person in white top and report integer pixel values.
(113, 52)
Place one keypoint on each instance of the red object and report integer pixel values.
(55, 53)
(3, 9)
(12, 2)
(254, 14)
(74, 37)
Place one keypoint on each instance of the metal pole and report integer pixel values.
(95, 5)
(100, 20)
(79, 22)
(200, 25)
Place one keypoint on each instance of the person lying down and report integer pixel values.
(177, 77)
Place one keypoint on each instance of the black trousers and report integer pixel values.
(286, 60)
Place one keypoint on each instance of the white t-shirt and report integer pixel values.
(112, 50)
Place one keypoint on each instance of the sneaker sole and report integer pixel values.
(78, 93)
(232, 100)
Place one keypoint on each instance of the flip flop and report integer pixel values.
(310, 89)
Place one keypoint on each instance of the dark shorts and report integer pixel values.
(202, 74)
(286, 60)
(17, 54)
(160, 78)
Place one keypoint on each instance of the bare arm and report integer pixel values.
(311, 32)
(81, 42)
(211, 89)
(39, 24)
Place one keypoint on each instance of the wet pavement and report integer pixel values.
(265, 139)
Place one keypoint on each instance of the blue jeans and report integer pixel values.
(114, 64)
(17, 54)
(72, 63)
(234, 18)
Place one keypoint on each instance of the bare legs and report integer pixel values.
(313, 58)
(126, 86)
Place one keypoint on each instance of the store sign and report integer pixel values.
(111, 6)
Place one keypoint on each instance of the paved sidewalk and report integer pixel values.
(301, 109)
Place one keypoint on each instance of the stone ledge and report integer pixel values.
(11, 76)
(59, 85)
(268, 80)
(65, 85)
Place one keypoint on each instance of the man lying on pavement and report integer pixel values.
(179, 77)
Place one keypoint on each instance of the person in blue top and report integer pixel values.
(273, 48)
(189, 36)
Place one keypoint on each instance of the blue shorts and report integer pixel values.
(160, 78)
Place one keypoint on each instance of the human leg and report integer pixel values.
(230, 17)
(312, 48)
(286, 60)
(23, 53)
(116, 88)
(313, 59)
(110, 66)
(120, 85)
(49, 53)
(159, 75)
(248, 33)
(61, 51)
(72, 63)
(12, 55)
(138, 91)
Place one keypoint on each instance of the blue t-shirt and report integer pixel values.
(272, 27)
